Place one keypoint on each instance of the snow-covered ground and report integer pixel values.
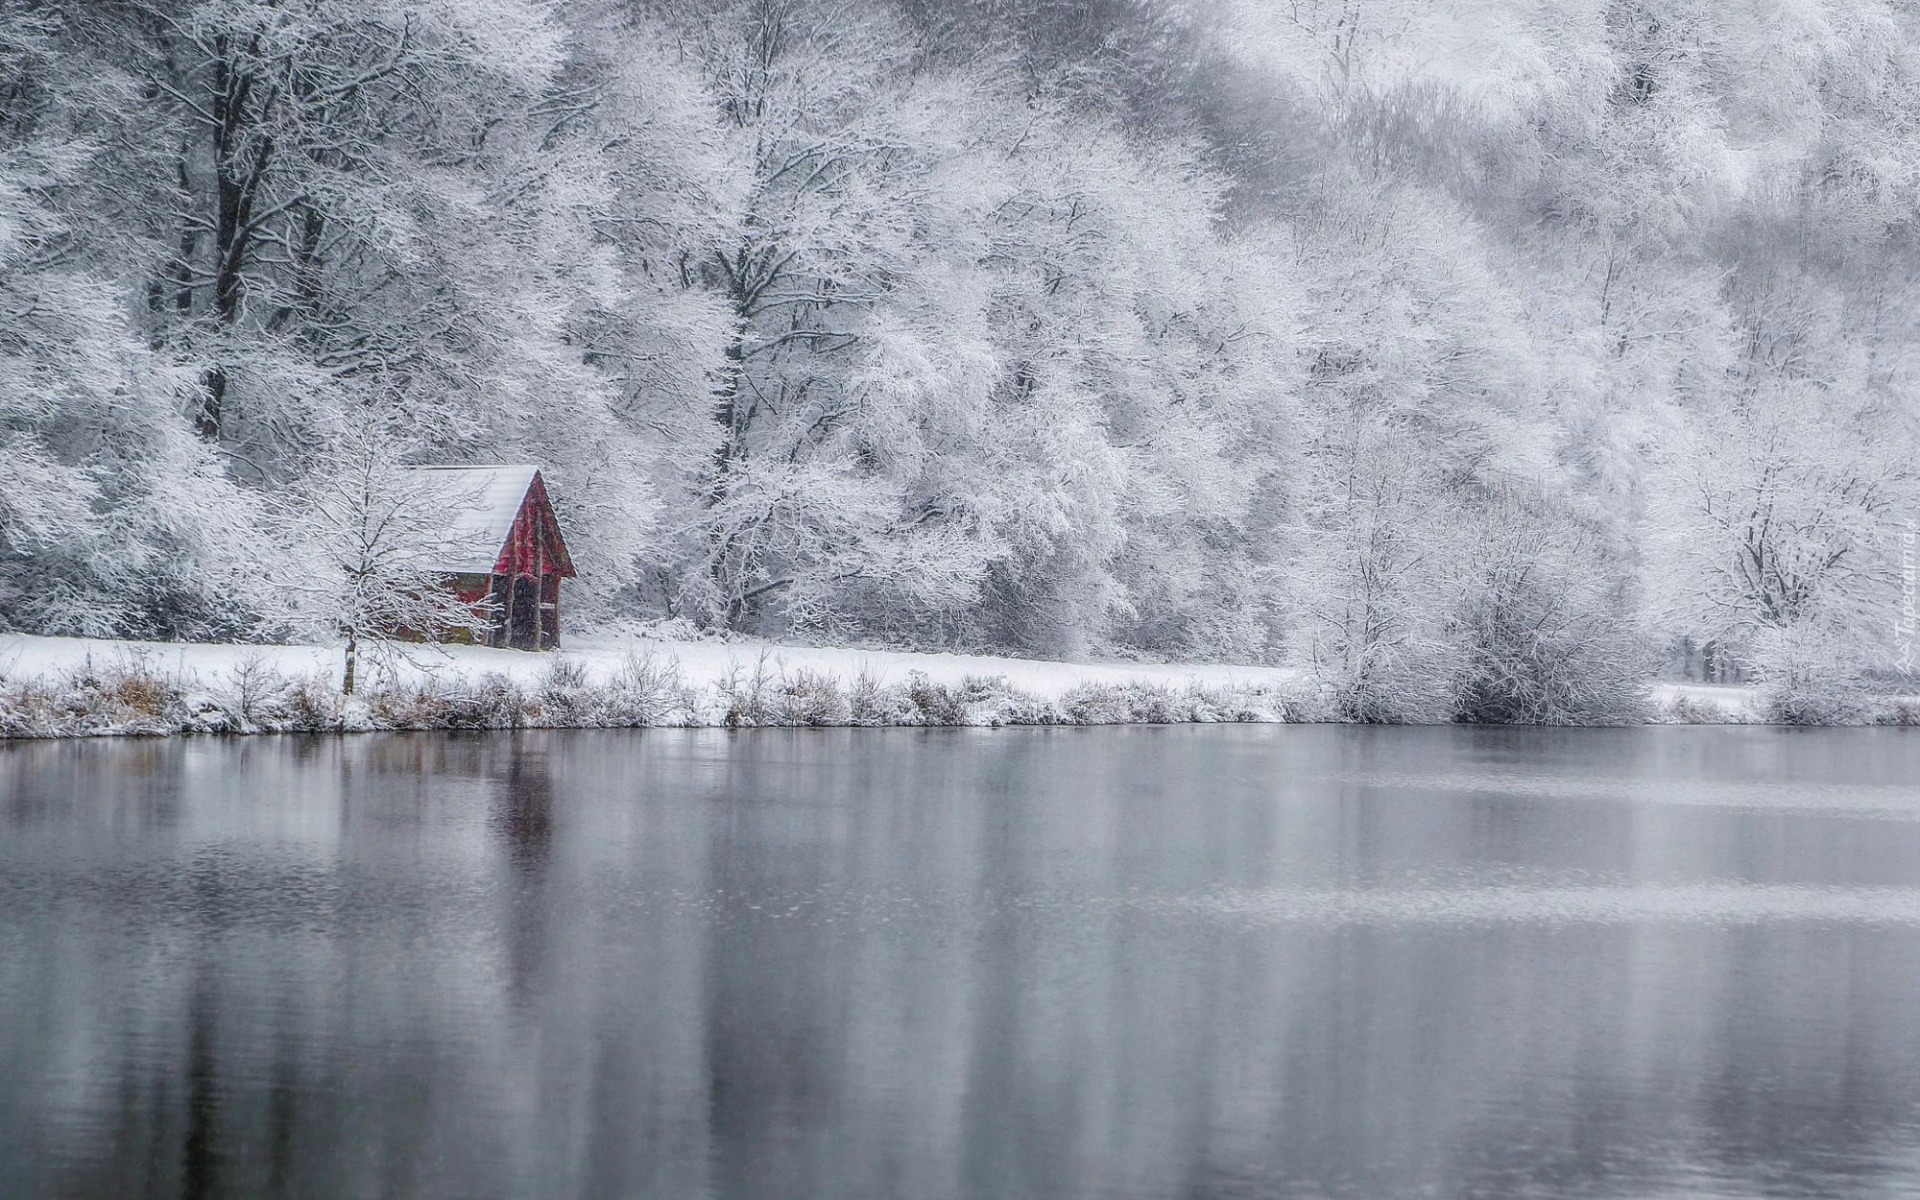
(26, 657)
(695, 682)
(1733, 701)
(71, 687)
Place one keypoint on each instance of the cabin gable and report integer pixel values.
(533, 545)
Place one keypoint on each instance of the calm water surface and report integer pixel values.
(1148, 963)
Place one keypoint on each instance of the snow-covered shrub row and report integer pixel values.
(1772, 706)
(131, 699)
(1686, 710)
(129, 696)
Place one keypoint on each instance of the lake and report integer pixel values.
(1194, 962)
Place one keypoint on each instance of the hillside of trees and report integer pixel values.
(1484, 368)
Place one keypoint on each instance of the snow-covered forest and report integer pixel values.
(1480, 361)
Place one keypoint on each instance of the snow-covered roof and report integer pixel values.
(479, 504)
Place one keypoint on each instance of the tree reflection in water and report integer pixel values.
(1059, 963)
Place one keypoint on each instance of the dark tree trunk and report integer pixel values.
(240, 161)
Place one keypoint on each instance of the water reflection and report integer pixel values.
(1039, 963)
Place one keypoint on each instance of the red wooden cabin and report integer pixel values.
(502, 543)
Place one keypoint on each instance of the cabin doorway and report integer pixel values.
(523, 615)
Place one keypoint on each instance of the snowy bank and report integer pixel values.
(55, 687)
(1733, 704)
(1708, 704)
(77, 687)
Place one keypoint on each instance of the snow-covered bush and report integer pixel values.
(124, 696)
(871, 703)
(1544, 624)
(935, 703)
(1807, 677)
(1684, 709)
(644, 691)
(811, 698)
(1903, 712)
(34, 709)
(313, 706)
(746, 696)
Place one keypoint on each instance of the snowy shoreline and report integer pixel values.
(81, 687)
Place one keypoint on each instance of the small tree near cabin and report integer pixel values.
(370, 539)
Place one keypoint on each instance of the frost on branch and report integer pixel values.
(369, 541)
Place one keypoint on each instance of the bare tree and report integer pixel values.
(370, 545)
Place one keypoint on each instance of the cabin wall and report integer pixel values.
(533, 551)
(525, 617)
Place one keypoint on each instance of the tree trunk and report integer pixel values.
(352, 664)
(727, 414)
(239, 165)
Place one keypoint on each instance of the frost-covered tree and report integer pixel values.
(320, 177)
(1778, 499)
(1544, 616)
(1775, 515)
(1127, 329)
(1365, 573)
(113, 519)
(809, 489)
(1412, 395)
(989, 348)
(475, 215)
(367, 546)
(615, 189)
